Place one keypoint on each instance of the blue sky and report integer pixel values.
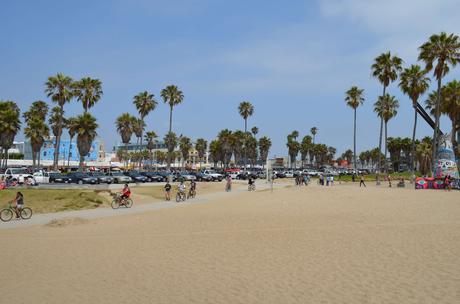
(292, 59)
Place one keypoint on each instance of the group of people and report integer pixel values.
(302, 179)
(326, 180)
(182, 188)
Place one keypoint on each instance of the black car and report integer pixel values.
(246, 175)
(59, 178)
(136, 177)
(82, 178)
(153, 176)
(101, 177)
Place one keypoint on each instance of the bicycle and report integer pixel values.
(119, 201)
(252, 187)
(191, 194)
(6, 214)
(180, 196)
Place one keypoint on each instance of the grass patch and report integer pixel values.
(54, 200)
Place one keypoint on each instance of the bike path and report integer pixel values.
(89, 214)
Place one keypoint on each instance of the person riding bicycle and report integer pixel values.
(19, 203)
(168, 191)
(125, 193)
(182, 187)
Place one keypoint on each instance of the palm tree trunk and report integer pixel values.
(244, 148)
(80, 166)
(436, 129)
(70, 150)
(58, 141)
(385, 164)
(170, 118)
(354, 139)
(412, 153)
(380, 143)
(34, 156)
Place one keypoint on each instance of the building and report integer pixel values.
(137, 147)
(17, 148)
(68, 150)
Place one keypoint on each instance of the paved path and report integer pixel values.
(42, 219)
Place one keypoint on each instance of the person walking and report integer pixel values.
(361, 181)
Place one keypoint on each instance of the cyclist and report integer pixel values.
(192, 188)
(168, 191)
(182, 188)
(250, 182)
(125, 193)
(19, 203)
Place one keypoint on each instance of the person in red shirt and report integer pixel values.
(126, 192)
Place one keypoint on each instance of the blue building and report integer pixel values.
(66, 149)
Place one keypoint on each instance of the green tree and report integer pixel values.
(170, 140)
(36, 129)
(254, 131)
(88, 91)
(314, 131)
(226, 138)
(354, 98)
(150, 137)
(386, 108)
(201, 146)
(185, 145)
(124, 125)
(71, 126)
(385, 69)
(10, 125)
(60, 89)
(144, 103)
(246, 110)
(439, 52)
(215, 152)
(86, 127)
(172, 96)
(305, 148)
(450, 105)
(264, 147)
(293, 147)
(414, 83)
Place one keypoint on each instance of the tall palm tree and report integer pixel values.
(36, 129)
(138, 127)
(450, 105)
(71, 125)
(185, 145)
(293, 147)
(60, 89)
(145, 103)
(124, 125)
(254, 131)
(246, 109)
(88, 91)
(414, 83)
(150, 137)
(354, 98)
(305, 148)
(172, 96)
(314, 131)
(170, 140)
(10, 124)
(385, 69)
(215, 152)
(264, 147)
(439, 52)
(225, 138)
(386, 108)
(86, 127)
(201, 146)
(424, 155)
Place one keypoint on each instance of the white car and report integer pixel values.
(215, 176)
(20, 175)
(289, 173)
(233, 174)
(311, 172)
(41, 177)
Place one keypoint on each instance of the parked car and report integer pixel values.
(41, 177)
(184, 176)
(289, 174)
(82, 178)
(261, 175)
(311, 172)
(245, 175)
(136, 177)
(120, 178)
(101, 177)
(19, 174)
(279, 174)
(202, 177)
(215, 176)
(153, 176)
(59, 178)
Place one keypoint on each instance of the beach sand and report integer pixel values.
(341, 244)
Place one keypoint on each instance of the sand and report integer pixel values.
(341, 244)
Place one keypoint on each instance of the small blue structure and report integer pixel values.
(66, 149)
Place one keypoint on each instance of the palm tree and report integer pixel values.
(150, 137)
(238, 144)
(385, 69)
(450, 106)
(88, 91)
(313, 132)
(348, 155)
(145, 103)
(170, 140)
(225, 138)
(305, 148)
(124, 124)
(354, 98)
(185, 144)
(10, 125)
(71, 125)
(251, 148)
(86, 127)
(201, 146)
(424, 154)
(293, 146)
(254, 131)
(138, 127)
(246, 109)
(439, 52)
(172, 96)
(36, 129)
(264, 147)
(386, 108)
(413, 83)
(215, 152)
(60, 89)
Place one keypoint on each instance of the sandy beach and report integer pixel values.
(341, 244)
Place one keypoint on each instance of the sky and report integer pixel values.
(293, 60)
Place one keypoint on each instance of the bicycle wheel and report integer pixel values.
(6, 215)
(178, 198)
(26, 213)
(115, 204)
(128, 203)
